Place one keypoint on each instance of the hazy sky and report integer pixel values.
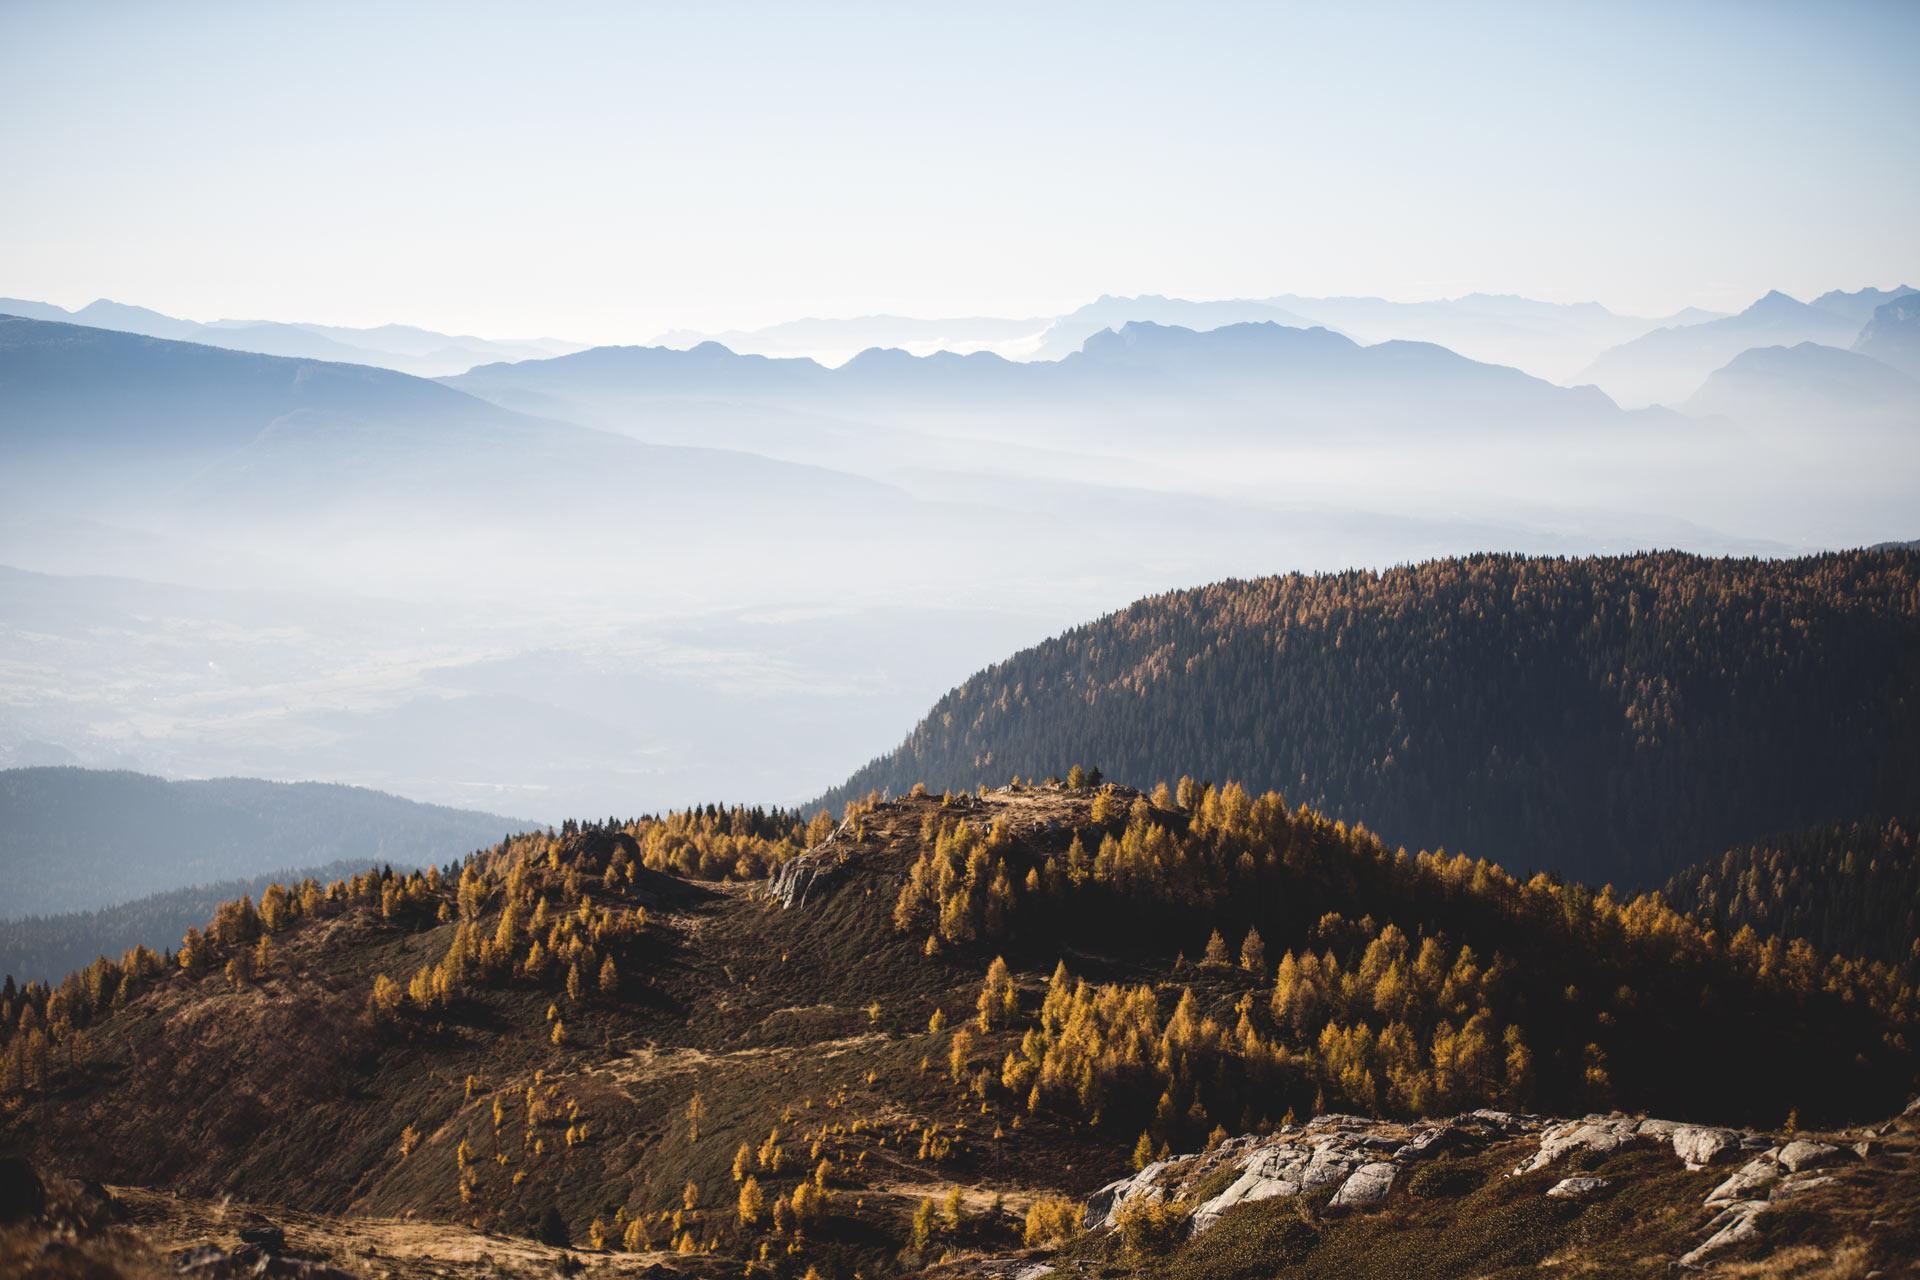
(605, 172)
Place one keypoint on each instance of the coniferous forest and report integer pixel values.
(1852, 888)
(1610, 719)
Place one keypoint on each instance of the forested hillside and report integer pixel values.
(1611, 719)
(948, 1011)
(48, 948)
(78, 839)
(1852, 888)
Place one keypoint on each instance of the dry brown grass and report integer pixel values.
(1849, 1260)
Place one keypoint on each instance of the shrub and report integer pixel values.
(1151, 1226)
(1051, 1220)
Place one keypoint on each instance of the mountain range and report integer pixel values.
(81, 839)
(1549, 340)
(1791, 387)
(389, 346)
(1667, 365)
(317, 459)
(1892, 335)
(1263, 378)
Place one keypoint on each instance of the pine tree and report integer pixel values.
(1253, 954)
(999, 1002)
(1217, 953)
(753, 1201)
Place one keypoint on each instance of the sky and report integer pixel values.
(607, 172)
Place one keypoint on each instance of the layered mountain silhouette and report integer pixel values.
(1262, 378)
(1860, 305)
(163, 422)
(834, 341)
(1893, 334)
(393, 346)
(1551, 340)
(1809, 385)
(1668, 365)
(81, 839)
(1067, 334)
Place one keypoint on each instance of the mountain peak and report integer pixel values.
(1775, 303)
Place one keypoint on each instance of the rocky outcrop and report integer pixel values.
(1577, 1188)
(815, 872)
(1801, 1154)
(1699, 1146)
(1366, 1186)
(1352, 1164)
(807, 877)
(1357, 1160)
(1751, 1177)
(1735, 1223)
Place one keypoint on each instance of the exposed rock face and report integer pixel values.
(1354, 1164)
(1699, 1146)
(1104, 1205)
(1359, 1159)
(1801, 1154)
(1366, 1186)
(1595, 1133)
(1737, 1222)
(1751, 1177)
(810, 875)
(1577, 1188)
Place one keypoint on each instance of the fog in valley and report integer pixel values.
(573, 581)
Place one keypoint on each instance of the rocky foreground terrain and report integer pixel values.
(1343, 1195)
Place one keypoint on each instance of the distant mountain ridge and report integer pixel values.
(403, 348)
(1892, 335)
(1669, 365)
(1257, 376)
(1070, 332)
(1860, 305)
(1808, 383)
(81, 839)
(1550, 340)
(205, 433)
(833, 341)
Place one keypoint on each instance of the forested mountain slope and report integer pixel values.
(950, 1019)
(76, 839)
(1852, 888)
(1612, 719)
